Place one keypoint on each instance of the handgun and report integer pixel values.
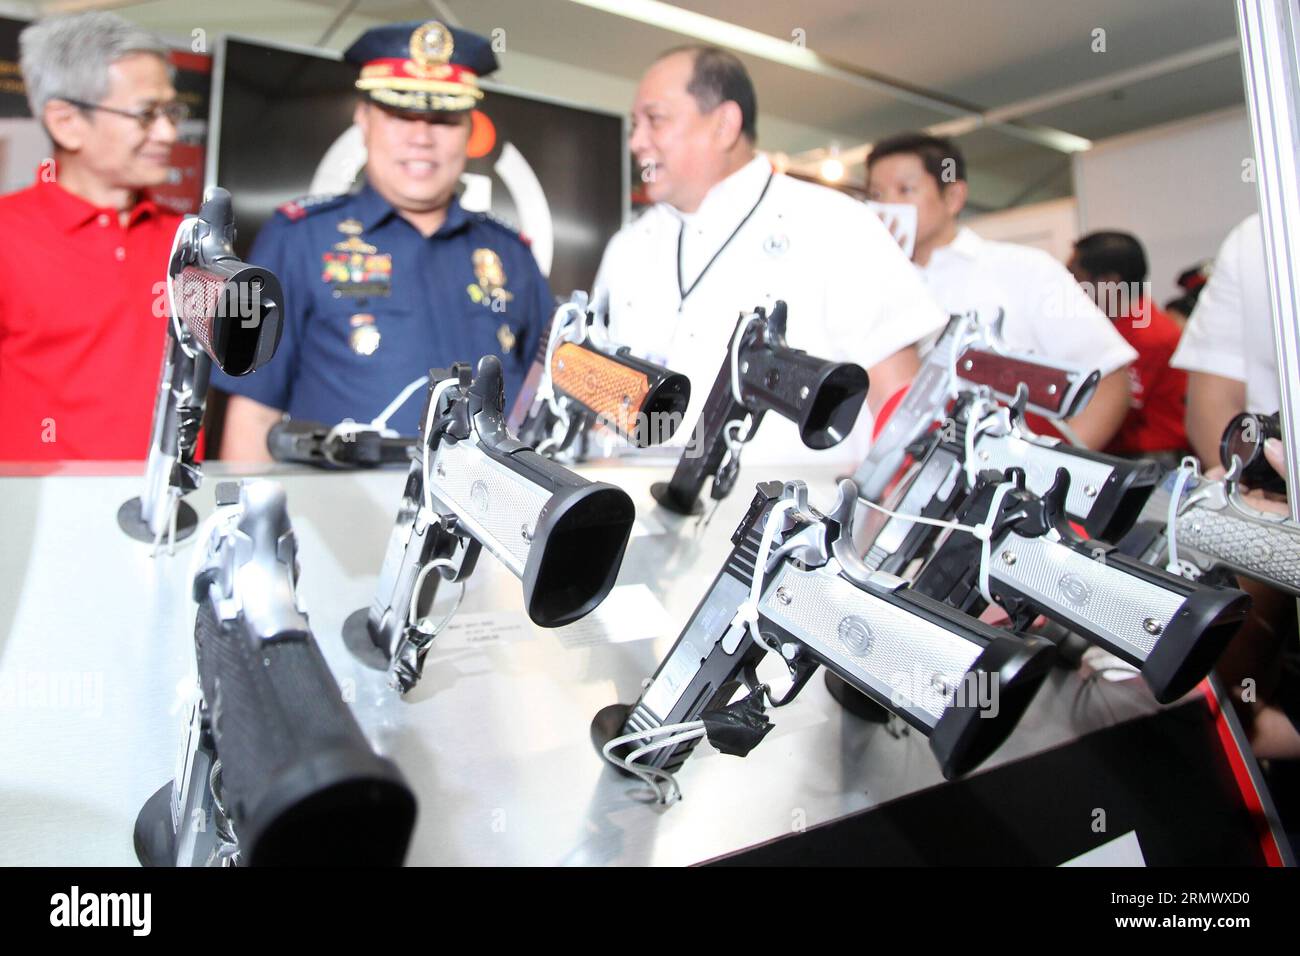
(586, 380)
(473, 486)
(968, 356)
(1106, 492)
(274, 769)
(803, 594)
(343, 446)
(1215, 528)
(1034, 564)
(761, 373)
(1105, 496)
(224, 311)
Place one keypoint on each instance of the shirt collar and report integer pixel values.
(69, 211)
(967, 243)
(373, 209)
(733, 197)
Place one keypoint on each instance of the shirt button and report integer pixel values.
(120, 253)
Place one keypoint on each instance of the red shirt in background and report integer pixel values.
(82, 327)
(1158, 392)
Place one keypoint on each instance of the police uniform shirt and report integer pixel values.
(1230, 332)
(371, 304)
(1046, 310)
(851, 294)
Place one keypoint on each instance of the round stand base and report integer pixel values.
(356, 638)
(854, 701)
(608, 724)
(128, 519)
(155, 840)
(659, 491)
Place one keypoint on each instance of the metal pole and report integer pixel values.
(1271, 68)
(1271, 65)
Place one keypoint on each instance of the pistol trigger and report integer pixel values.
(846, 503)
(802, 667)
(1019, 402)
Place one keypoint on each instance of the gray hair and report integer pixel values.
(70, 55)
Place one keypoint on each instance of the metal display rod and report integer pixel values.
(1271, 66)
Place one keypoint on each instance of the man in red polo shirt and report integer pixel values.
(1112, 267)
(85, 249)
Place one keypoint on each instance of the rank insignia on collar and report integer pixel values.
(491, 276)
(365, 335)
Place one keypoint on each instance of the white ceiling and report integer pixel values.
(985, 54)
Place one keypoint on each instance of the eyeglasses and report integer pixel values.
(176, 112)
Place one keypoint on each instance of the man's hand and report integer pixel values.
(1212, 402)
(891, 374)
(1097, 424)
(1275, 454)
(247, 423)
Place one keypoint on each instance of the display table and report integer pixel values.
(96, 645)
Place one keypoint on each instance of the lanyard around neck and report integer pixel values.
(682, 290)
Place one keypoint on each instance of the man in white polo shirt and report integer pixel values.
(1230, 354)
(1046, 311)
(728, 234)
(1228, 344)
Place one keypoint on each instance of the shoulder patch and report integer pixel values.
(304, 206)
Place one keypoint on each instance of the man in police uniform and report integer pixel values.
(386, 283)
(729, 233)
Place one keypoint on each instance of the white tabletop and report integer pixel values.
(96, 643)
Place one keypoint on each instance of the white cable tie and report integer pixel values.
(380, 421)
(1187, 469)
(346, 429)
(434, 400)
(735, 357)
(168, 524)
(984, 532)
(747, 612)
(975, 423)
(735, 442)
(919, 519)
(173, 515)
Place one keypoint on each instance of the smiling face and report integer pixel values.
(413, 160)
(680, 151)
(903, 178)
(117, 150)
